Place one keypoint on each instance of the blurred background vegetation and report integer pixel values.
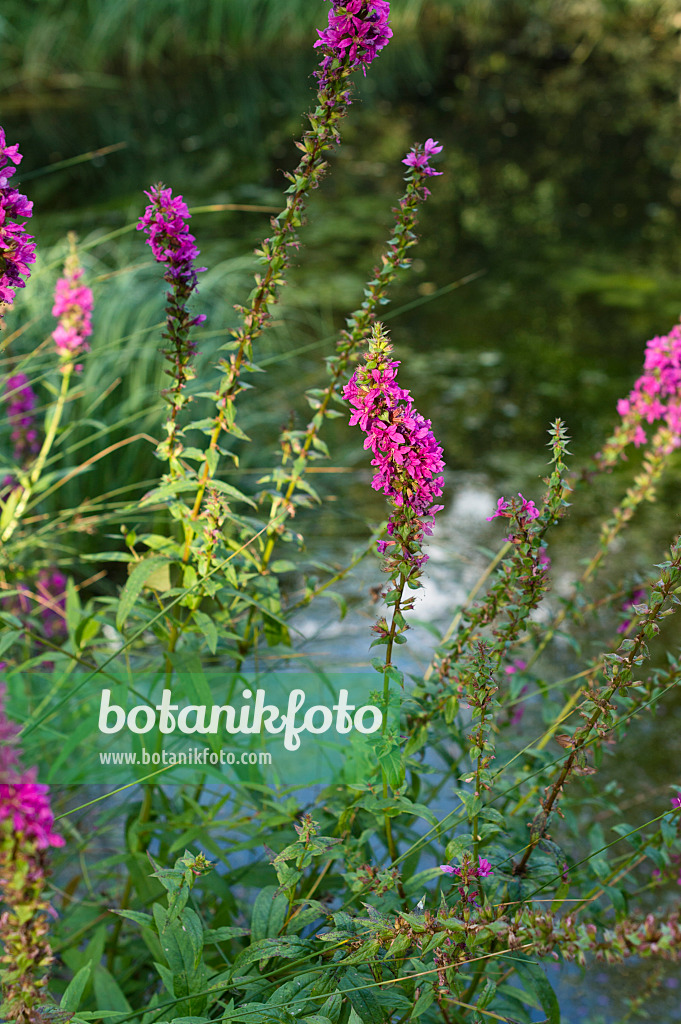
(559, 205)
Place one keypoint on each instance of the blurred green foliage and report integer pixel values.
(40, 39)
(561, 189)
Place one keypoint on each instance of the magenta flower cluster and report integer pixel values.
(419, 156)
(24, 803)
(21, 401)
(656, 395)
(483, 869)
(17, 247)
(526, 511)
(164, 222)
(356, 31)
(173, 245)
(406, 455)
(73, 307)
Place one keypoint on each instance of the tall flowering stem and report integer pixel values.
(17, 247)
(165, 223)
(26, 833)
(618, 674)
(483, 702)
(408, 463)
(356, 32)
(500, 618)
(299, 447)
(73, 308)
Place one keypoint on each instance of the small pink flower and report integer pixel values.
(418, 157)
(526, 511)
(676, 800)
(516, 666)
(484, 868)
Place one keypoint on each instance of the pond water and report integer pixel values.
(561, 196)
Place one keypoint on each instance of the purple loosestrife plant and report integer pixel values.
(408, 463)
(165, 223)
(26, 834)
(17, 247)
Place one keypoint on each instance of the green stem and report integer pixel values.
(392, 849)
(39, 463)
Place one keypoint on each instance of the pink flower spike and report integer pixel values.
(447, 869)
(407, 458)
(73, 308)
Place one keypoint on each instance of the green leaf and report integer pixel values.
(108, 992)
(182, 944)
(364, 1002)
(269, 913)
(208, 629)
(561, 893)
(275, 631)
(422, 1003)
(214, 935)
(75, 988)
(73, 610)
(134, 915)
(133, 588)
(285, 947)
(488, 993)
(232, 492)
(283, 565)
(390, 760)
(535, 981)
